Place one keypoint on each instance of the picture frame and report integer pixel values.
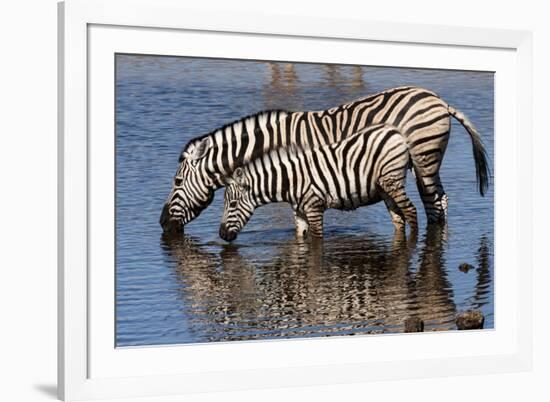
(91, 32)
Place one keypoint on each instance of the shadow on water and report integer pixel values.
(341, 286)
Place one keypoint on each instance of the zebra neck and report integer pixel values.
(270, 181)
(237, 143)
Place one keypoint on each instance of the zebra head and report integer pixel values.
(192, 190)
(238, 205)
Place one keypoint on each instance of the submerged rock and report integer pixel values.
(414, 324)
(465, 267)
(472, 319)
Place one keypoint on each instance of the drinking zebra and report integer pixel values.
(363, 169)
(206, 162)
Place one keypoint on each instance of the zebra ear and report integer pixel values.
(201, 148)
(183, 155)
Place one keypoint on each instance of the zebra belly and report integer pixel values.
(355, 201)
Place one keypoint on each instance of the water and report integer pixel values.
(360, 279)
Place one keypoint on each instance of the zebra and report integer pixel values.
(366, 168)
(423, 117)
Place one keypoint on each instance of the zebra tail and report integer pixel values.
(480, 154)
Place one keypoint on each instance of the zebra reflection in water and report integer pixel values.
(345, 285)
(284, 82)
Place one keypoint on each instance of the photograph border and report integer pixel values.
(75, 16)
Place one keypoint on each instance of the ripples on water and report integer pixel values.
(360, 279)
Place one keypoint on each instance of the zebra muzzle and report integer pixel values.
(227, 235)
(168, 223)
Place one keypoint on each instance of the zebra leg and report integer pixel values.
(444, 204)
(397, 217)
(314, 217)
(395, 189)
(433, 197)
(429, 185)
(441, 200)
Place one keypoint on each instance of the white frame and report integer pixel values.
(74, 380)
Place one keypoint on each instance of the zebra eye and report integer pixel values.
(178, 182)
(232, 204)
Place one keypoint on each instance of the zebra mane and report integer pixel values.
(242, 120)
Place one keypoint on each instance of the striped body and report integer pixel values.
(420, 115)
(363, 169)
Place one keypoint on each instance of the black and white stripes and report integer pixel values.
(363, 169)
(420, 115)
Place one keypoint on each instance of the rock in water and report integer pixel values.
(470, 320)
(465, 267)
(414, 324)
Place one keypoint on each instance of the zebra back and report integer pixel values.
(411, 109)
